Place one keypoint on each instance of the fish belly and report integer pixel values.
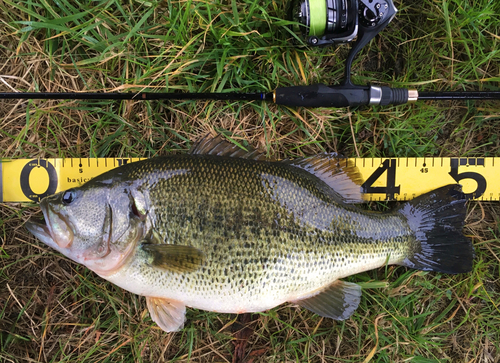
(250, 284)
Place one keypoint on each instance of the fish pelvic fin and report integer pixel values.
(170, 315)
(436, 219)
(339, 173)
(338, 301)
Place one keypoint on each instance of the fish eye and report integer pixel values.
(68, 196)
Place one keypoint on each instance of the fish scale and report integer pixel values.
(267, 230)
(226, 230)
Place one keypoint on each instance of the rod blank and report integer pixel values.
(462, 95)
(135, 96)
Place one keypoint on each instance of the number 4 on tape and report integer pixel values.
(390, 189)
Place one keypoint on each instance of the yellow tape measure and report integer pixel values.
(29, 180)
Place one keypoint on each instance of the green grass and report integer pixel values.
(52, 310)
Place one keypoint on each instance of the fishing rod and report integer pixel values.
(318, 95)
(323, 23)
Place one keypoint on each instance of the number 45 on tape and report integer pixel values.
(29, 180)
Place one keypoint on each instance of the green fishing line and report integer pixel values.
(317, 16)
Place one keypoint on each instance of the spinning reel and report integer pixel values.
(326, 22)
(329, 22)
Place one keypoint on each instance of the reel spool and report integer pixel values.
(327, 22)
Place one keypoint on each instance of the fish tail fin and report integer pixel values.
(436, 219)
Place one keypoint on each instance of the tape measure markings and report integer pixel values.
(383, 178)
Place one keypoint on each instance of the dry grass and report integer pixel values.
(53, 310)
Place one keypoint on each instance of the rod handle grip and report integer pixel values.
(320, 95)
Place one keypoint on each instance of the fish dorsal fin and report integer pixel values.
(170, 315)
(174, 258)
(337, 172)
(338, 301)
(218, 146)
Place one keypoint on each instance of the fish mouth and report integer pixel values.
(58, 234)
(40, 230)
(55, 232)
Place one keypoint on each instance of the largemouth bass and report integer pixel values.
(227, 230)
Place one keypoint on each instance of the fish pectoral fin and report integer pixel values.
(174, 257)
(170, 315)
(338, 301)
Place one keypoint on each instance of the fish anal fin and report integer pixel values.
(170, 315)
(218, 146)
(339, 173)
(338, 301)
(175, 258)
